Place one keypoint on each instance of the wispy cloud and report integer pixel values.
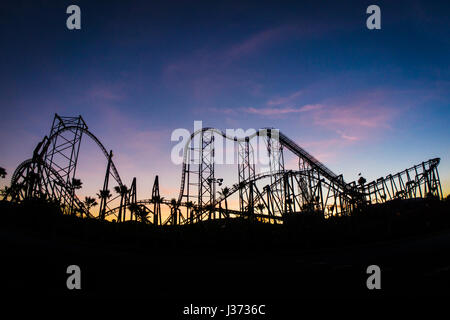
(280, 111)
(326, 150)
(265, 112)
(283, 100)
(346, 137)
(258, 41)
(207, 73)
(353, 117)
(106, 93)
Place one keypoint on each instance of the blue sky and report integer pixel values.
(369, 101)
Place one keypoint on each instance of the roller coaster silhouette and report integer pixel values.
(270, 197)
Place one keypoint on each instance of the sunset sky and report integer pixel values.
(362, 101)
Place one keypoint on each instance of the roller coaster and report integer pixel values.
(270, 197)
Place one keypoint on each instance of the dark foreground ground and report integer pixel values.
(229, 261)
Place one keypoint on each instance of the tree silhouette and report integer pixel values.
(174, 209)
(5, 191)
(2, 172)
(224, 193)
(89, 202)
(157, 200)
(103, 195)
(189, 206)
(138, 211)
(122, 190)
(260, 207)
(76, 184)
(362, 181)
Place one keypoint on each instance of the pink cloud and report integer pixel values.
(268, 111)
(257, 41)
(347, 121)
(353, 117)
(207, 73)
(280, 111)
(363, 113)
(346, 137)
(105, 93)
(284, 100)
(328, 150)
(228, 111)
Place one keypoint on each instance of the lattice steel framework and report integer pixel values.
(51, 172)
(419, 181)
(276, 165)
(270, 196)
(246, 172)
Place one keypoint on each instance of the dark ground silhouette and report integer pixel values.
(229, 259)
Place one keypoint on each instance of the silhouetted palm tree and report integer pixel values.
(189, 206)
(89, 202)
(362, 181)
(224, 193)
(104, 195)
(138, 211)
(2, 172)
(122, 190)
(157, 199)
(157, 215)
(260, 207)
(5, 191)
(76, 183)
(174, 209)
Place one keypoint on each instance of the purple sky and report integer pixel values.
(369, 101)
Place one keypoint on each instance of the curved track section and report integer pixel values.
(270, 196)
(47, 183)
(49, 174)
(47, 144)
(284, 141)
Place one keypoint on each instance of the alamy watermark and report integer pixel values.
(74, 279)
(73, 21)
